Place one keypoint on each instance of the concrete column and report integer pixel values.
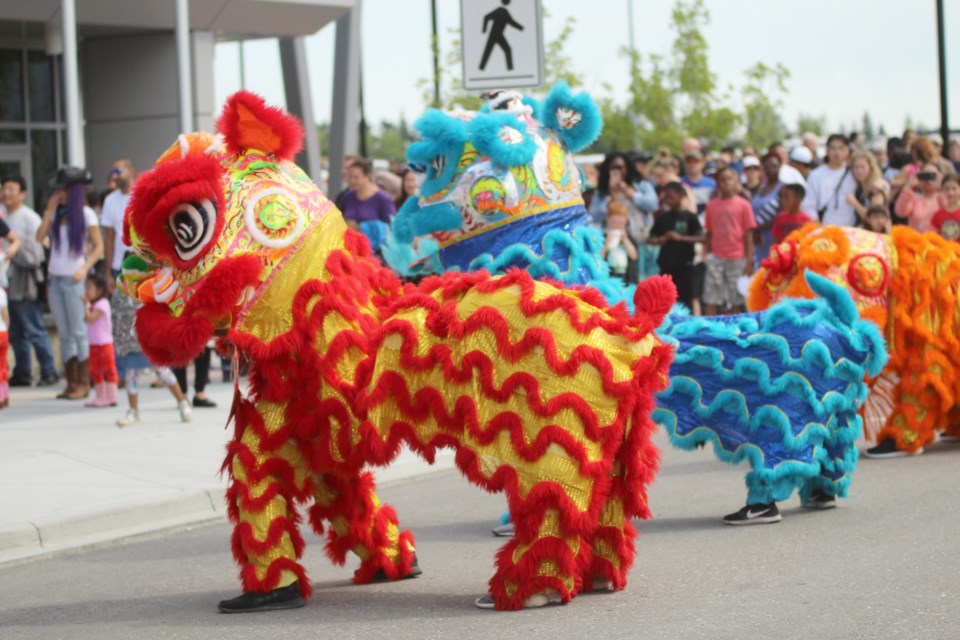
(296, 85)
(185, 82)
(346, 95)
(76, 153)
(205, 110)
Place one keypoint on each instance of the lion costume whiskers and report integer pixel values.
(544, 392)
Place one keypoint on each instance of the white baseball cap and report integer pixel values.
(750, 161)
(802, 155)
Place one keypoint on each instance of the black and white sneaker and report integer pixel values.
(949, 437)
(755, 514)
(819, 500)
(888, 449)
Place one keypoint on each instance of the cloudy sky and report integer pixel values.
(845, 56)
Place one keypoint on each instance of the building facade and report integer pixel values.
(134, 76)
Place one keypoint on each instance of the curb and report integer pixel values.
(27, 540)
(23, 541)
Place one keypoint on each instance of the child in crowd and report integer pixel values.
(4, 345)
(878, 218)
(676, 231)
(946, 221)
(790, 217)
(729, 244)
(133, 360)
(103, 368)
(618, 249)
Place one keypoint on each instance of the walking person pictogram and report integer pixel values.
(501, 19)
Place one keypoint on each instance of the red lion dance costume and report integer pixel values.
(544, 392)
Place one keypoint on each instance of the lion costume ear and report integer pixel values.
(248, 122)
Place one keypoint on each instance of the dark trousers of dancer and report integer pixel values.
(201, 373)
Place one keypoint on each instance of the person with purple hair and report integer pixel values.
(76, 246)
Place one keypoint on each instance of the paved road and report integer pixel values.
(884, 565)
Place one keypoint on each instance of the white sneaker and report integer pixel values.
(535, 601)
(132, 417)
(186, 414)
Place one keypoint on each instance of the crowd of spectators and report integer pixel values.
(708, 219)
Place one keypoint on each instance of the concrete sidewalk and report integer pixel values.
(71, 478)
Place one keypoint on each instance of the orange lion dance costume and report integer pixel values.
(907, 284)
(544, 392)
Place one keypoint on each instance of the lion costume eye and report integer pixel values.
(439, 162)
(191, 225)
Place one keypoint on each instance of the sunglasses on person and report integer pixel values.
(926, 176)
(116, 171)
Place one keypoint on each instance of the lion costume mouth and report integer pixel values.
(175, 339)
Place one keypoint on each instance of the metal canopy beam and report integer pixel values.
(346, 96)
(296, 85)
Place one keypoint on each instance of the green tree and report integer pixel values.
(704, 112)
(389, 142)
(652, 104)
(618, 128)
(868, 130)
(762, 103)
(323, 134)
(812, 124)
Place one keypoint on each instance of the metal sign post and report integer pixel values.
(502, 43)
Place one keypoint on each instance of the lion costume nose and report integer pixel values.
(145, 282)
(782, 259)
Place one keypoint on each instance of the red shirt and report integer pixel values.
(947, 224)
(727, 220)
(786, 223)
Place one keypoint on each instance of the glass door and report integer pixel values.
(15, 159)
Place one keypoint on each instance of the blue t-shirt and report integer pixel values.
(702, 190)
(765, 209)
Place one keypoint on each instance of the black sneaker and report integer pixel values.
(48, 381)
(203, 403)
(283, 598)
(14, 382)
(888, 449)
(949, 437)
(819, 500)
(504, 530)
(755, 514)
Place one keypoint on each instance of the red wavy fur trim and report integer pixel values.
(250, 582)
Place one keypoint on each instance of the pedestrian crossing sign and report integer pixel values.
(502, 44)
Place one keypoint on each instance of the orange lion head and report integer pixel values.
(860, 261)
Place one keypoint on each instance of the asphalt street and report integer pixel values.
(883, 565)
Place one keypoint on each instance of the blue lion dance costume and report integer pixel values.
(779, 388)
